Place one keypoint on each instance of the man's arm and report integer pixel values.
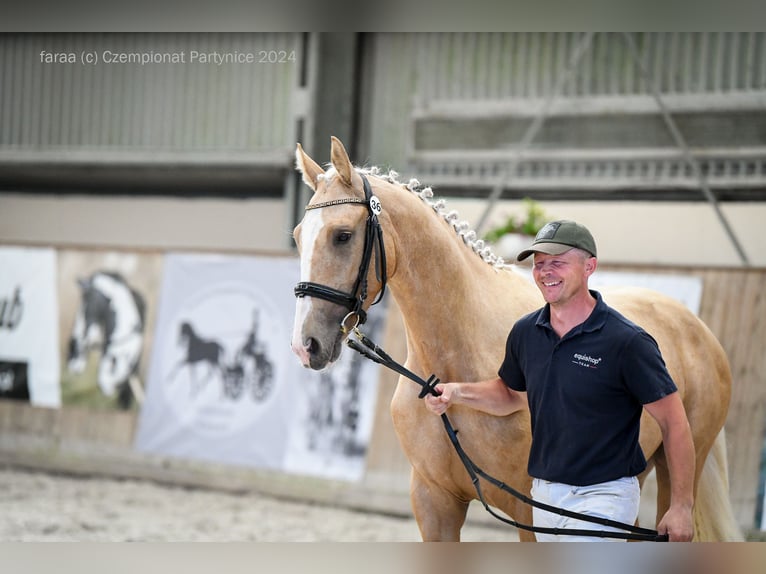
(679, 450)
(492, 396)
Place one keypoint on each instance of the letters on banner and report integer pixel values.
(29, 345)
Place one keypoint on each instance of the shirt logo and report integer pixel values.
(586, 361)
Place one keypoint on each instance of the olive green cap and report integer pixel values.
(558, 237)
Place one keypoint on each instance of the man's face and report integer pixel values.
(561, 277)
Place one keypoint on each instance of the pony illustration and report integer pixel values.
(110, 319)
(250, 366)
(198, 350)
(458, 302)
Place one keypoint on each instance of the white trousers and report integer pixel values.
(617, 500)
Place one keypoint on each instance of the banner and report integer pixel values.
(107, 301)
(224, 386)
(683, 288)
(334, 417)
(29, 351)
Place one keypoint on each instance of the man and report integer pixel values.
(585, 372)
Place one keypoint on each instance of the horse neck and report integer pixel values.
(447, 293)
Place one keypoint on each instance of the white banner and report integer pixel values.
(29, 346)
(223, 384)
(684, 288)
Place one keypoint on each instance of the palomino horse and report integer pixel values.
(458, 303)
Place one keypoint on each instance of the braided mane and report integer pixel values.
(426, 194)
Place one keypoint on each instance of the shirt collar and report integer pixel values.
(594, 322)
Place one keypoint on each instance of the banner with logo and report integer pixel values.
(107, 301)
(29, 350)
(224, 386)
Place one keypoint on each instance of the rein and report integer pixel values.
(353, 301)
(373, 241)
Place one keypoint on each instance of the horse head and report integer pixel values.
(185, 332)
(334, 242)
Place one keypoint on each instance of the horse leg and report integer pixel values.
(439, 514)
(193, 379)
(135, 386)
(124, 395)
(174, 373)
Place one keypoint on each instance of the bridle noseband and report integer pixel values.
(373, 240)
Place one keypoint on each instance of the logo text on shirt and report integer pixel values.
(586, 361)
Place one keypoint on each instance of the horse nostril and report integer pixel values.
(311, 345)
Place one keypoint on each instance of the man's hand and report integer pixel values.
(447, 393)
(678, 524)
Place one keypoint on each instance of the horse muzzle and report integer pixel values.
(315, 353)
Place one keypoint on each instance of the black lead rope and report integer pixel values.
(369, 349)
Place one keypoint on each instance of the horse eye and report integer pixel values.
(343, 237)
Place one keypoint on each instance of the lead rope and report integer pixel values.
(367, 348)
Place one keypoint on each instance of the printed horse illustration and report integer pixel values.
(458, 302)
(110, 318)
(198, 350)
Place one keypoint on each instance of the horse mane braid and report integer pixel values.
(461, 228)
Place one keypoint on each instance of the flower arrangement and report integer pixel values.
(533, 221)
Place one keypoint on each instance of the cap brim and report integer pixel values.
(547, 248)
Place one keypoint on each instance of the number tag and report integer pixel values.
(375, 205)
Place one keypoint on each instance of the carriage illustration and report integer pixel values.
(250, 369)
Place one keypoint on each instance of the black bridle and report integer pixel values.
(373, 242)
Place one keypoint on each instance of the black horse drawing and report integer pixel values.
(198, 350)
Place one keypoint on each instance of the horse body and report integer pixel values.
(458, 308)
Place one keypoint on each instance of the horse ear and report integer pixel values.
(308, 167)
(340, 161)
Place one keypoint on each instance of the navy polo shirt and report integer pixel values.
(585, 393)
